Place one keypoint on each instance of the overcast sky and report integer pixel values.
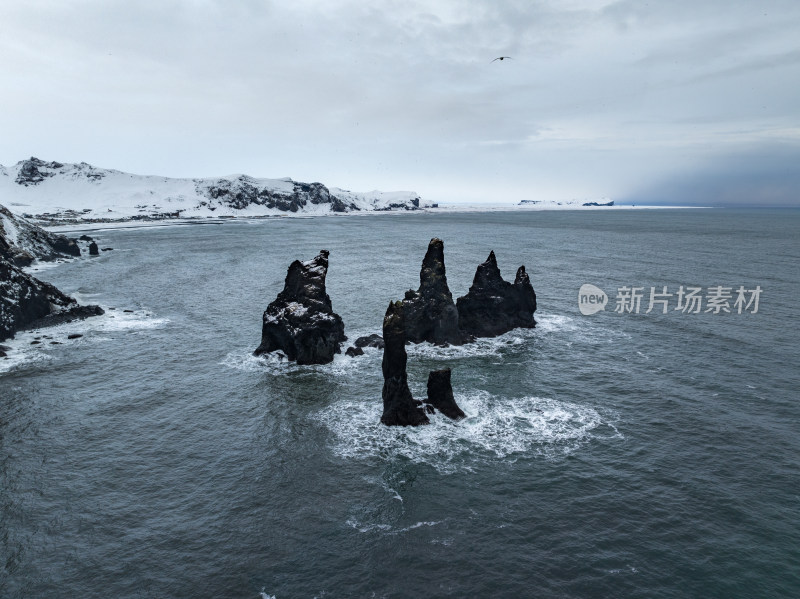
(679, 101)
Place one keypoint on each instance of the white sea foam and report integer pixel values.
(94, 329)
(119, 320)
(581, 328)
(388, 528)
(278, 364)
(628, 568)
(39, 265)
(496, 428)
(484, 346)
(549, 323)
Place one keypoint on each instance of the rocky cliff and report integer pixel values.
(27, 302)
(22, 242)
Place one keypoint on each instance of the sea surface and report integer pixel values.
(611, 455)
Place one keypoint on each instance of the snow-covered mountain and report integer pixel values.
(54, 192)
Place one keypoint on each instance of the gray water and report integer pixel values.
(613, 455)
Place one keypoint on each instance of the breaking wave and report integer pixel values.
(496, 428)
(25, 351)
(276, 363)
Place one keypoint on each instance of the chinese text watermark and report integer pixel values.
(685, 299)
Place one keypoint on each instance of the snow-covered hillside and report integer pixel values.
(55, 192)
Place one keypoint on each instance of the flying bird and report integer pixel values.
(501, 58)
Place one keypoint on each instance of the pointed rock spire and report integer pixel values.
(430, 314)
(399, 407)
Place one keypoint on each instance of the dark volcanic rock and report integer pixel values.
(85, 238)
(245, 191)
(22, 242)
(399, 407)
(93, 249)
(611, 203)
(430, 314)
(63, 245)
(373, 340)
(301, 322)
(26, 302)
(34, 171)
(440, 394)
(494, 306)
(357, 349)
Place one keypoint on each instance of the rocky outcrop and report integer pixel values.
(22, 242)
(373, 340)
(93, 249)
(34, 171)
(357, 349)
(399, 407)
(301, 322)
(26, 302)
(494, 306)
(245, 191)
(491, 307)
(440, 394)
(430, 314)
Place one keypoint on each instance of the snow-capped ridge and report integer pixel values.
(55, 192)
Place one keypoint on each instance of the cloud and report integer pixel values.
(762, 176)
(600, 96)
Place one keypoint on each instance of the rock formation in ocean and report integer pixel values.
(22, 242)
(373, 340)
(399, 407)
(26, 302)
(440, 394)
(430, 314)
(494, 306)
(357, 349)
(301, 321)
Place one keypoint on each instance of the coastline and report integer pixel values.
(80, 226)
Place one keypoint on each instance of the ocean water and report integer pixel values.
(612, 455)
